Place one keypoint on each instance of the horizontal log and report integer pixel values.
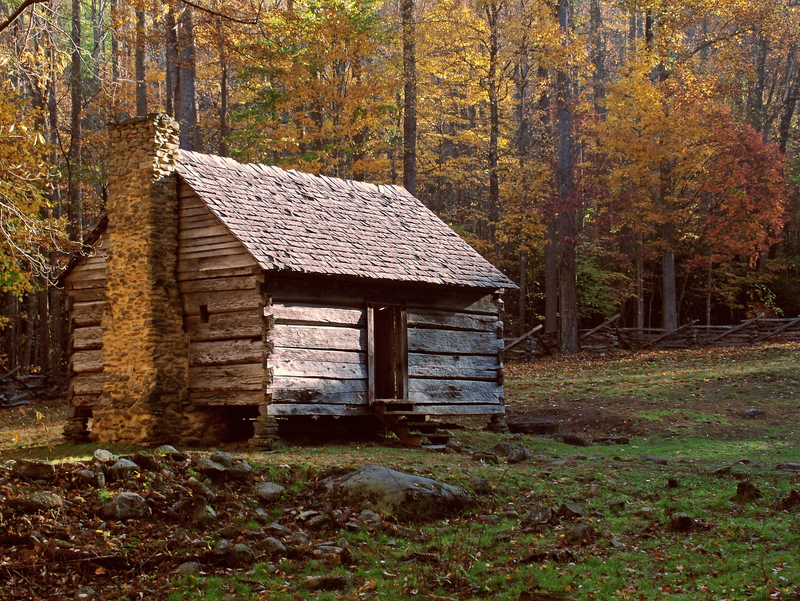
(249, 282)
(453, 391)
(190, 248)
(228, 398)
(491, 408)
(95, 293)
(453, 342)
(451, 321)
(453, 366)
(87, 361)
(90, 383)
(192, 211)
(202, 219)
(218, 273)
(318, 337)
(316, 369)
(87, 314)
(85, 400)
(214, 263)
(222, 301)
(213, 252)
(202, 232)
(225, 326)
(84, 339)
(294, 313)
(226, 352)
(316, 390)
(292, 354)
(190, 244)
(220, 378)
(299, 409)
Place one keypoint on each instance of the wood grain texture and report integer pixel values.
(296, 313)
(318, 337)
(219, 378)
(243, 283)
(88, 383)
(453, 391)
(453, 366)
(221, 301)
(226, 352)
(84, 339)
(453, 342)
(228, 398)
(85, 314)
(226, 326)
(87, 361)
(444, 320)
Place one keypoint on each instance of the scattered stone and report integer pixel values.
(655, 459)
(619, 545)
(317, 522)
(222, 457)
(193, 510)
(480, 486)
(791, 500)
(277, 529)
(34, 470)
(438, 448)
(681, 522)
(146, 461)
(747, 491)
(100, 475)
(327, 583)
(41, 500)
(538, 516)
(87, 476)
(399, 494)
(617, 506)
(519, 455)
(104, 456)
(486, 457)
(187, 568)
(369, 518)
(557, 463)
(221, 549)
(647, 511)
(298, 539)
(240, 555)
(86, 593)
(722, 471)
(537, 595)
(124, 506)
(580, 457)
(573, 510)
(753, 413)
(273, 547)
(201, 489)
(788, 467)
(167, 450)
(123, 468)
(457, 446)
(229, 532)
(612, 440)
(212, 469)
(672, 483)
(501, 449)
(539, 427)
(268, 492)
(580, 534)
(241, 470)
(572, 439)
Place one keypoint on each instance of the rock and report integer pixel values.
(166, 450)
(486, 457)
(580, 534)
(457, 446)
(212, 469)
(146, 461)
(655, 459)
(327, 583)
(87, 476)
(193, 510)
(273, 547)
(538, 516)
(34, 470)
(221, 550)
(398, 494)
(573, 510)
(753, 413)
(240, 470)
(222, 457)
(187, 568)
(722, 471)
(681, 522)
(572, 439)
(41, 500)
(104, 456)
(123, 468)
(791, 500)
(617, 506)
(86, 593)
(277, 529)
(519, 455)
(268, 492)
(124, 506)
(540, 427)
(788, 467)
(229, 532)
(201, 489)
(672, 483)
(241, 555)
(619, 545)
(369, 518)
(438, 448)
(647, 511)
(612, 440)
(298, 539)
(747, 491)
(317, 522)
(501, 449)
(480, 486)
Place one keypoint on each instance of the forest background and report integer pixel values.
(631, 156)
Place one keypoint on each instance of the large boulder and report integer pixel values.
(395, 493)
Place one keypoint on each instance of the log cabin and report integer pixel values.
(217, 292)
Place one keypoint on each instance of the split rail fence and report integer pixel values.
(610, 334)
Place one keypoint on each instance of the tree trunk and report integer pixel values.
(74, 209)
(567, 260)
(171, 73)
(410, 98)
(114, 46)
(492, 14)
(186, 100)
(790, 95)
(523, 291)
(598, 56)
(223, 100)
(551, 276)
(639, 261)
(141, 67)
(669, 305)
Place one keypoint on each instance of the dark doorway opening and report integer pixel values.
(388, 352)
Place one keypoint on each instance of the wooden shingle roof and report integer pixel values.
(315, 224)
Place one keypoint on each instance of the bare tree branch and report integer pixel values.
(252, 21)
(18, 12)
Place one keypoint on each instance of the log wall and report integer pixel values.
(85, 285)
(223, 303)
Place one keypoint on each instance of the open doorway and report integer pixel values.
(387, 352)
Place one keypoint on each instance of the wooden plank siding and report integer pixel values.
(223, 306)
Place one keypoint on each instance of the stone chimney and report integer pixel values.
(144, 343)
